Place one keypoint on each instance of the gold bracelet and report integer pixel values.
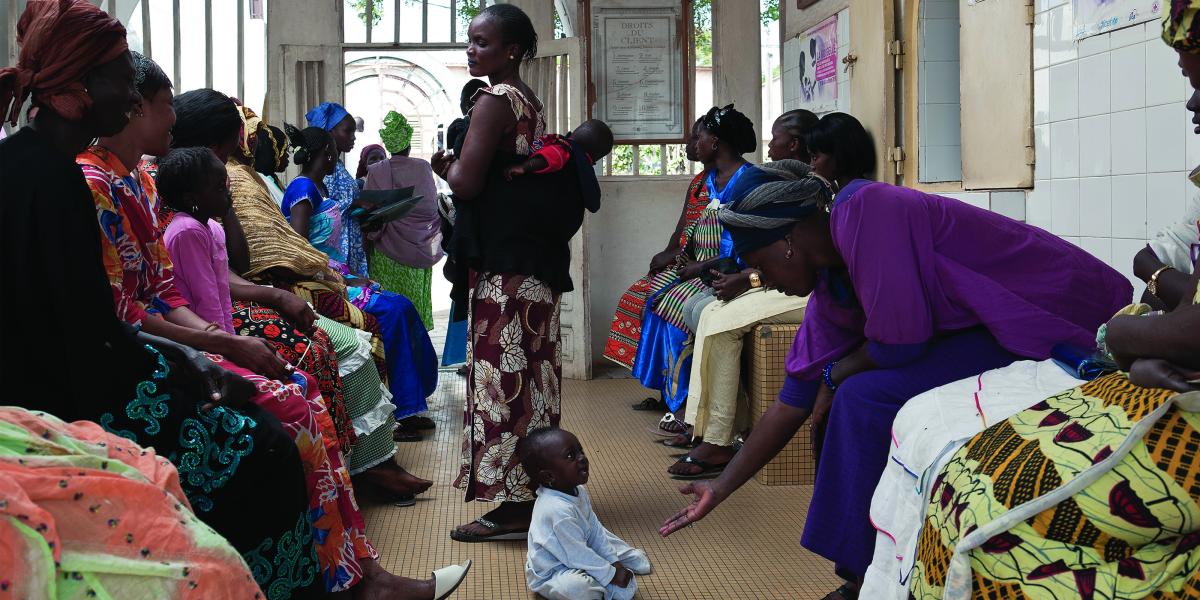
(1152, 285)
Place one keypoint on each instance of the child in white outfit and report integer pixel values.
(571, 555)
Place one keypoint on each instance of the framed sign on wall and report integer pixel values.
(638, 60)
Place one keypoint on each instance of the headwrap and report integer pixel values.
(765, 214)
(362, 159)
(61, 40)
(326, 115)
(278, 142)
(251, 123)
(396, 133)
(1181, 27)
(732, 127)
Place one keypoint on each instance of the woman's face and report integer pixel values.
(706, 145)
(213, 199)
(375, 156)
(1190, 64)
(824, 165)
(792, 275)
(344, 134)
(113, 93)
(784, 145)
(693, 138)
(155, 123)
(486, 50)
(1193, 105)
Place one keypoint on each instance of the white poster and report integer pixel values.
(637, 66)
(819, 67)
(1093, 17)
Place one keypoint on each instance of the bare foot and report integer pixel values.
(706, 453)
(508, 517)
(378, 584)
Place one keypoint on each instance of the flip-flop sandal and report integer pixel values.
(417, 423)
(447, 579)
(846, 592)
(688, 445)
(650, 404)
(678, 456)
(401, 434)
(708, 470)
(669, 425)
(471, 538)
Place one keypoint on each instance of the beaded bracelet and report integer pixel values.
(827, 376)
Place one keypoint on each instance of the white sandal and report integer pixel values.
(447, 579)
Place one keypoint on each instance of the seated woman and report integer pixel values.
(342, 188)
(162, 395)
(909, 291)
(280, 256)
(140, 274)
(664, 354)
(412, 364)
(716, 403)
(271, 157)
(626, 330)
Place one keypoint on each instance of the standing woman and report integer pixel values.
(404, 251)
(512, 388)
(343, 189)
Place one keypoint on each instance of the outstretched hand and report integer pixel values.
(706, 500)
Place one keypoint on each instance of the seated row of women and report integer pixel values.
(261, 414)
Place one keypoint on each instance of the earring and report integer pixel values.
(788, 255)
(714, 146)
(511, 57)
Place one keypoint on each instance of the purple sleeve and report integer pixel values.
(191, 252)
(828, 333)
(886, 239)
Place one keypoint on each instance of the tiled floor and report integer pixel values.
(748, 548)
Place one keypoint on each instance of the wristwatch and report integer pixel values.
(1152, 285)
(755, 280)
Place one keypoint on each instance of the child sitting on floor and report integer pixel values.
(553, 152)
(571, 555)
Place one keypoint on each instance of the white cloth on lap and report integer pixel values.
(568, 546)
(925, 435)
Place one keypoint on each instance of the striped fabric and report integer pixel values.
(705, 245)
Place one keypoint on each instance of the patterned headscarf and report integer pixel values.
(326, 115)
(765, 214)
(396, 133)
(61, 40)
(251, 123)
(1181, 27)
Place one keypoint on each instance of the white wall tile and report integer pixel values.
(1128, 35)
(1064, 91)
(941, 163)
(1129, 74)
(940, 125)
(1041, 40)
(1041, 95)
(1062, 42)
(1165, 143)
(976, 199)
(1162, 75)
(1041, 152)
(1095, 149)
(1164, 200)
(1071, 239)
(939, 40)
(1044, 5)
(1064, 149)
(1123, 252)
(939, 82)
(1039, 206)
(1092, 45)
(1094, 88)
(1010, 204)
(1064, 202)
(1095, 206)
(1128, 142)
(1101, 248)
(1129, 207)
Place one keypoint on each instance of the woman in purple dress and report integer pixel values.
(907, 292)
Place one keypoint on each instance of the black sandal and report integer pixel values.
(650, 404)
(707, 471)
(846, 592)
(499, 535)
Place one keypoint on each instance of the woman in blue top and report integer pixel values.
(663, 359)
(342, 187)
(411, 360)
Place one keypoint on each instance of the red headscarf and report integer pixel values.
(61, 40)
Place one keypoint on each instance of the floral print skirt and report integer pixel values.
(513, 387)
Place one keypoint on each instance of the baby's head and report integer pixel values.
(595, 138)
(554, 458)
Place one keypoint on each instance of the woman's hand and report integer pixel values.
(256, 355)
(728, 287)
(820, 416)
(218, 386)
(707, 498)
(690, 270)
(1158, 373)
(622, 576)
(441, 162)
(662, 260)
(296, 311)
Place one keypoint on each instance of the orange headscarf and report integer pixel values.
(61, 40)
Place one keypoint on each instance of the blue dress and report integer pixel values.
(343, 189)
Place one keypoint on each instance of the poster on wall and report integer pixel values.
(819, 67)
(1093, 17)
(637, 67)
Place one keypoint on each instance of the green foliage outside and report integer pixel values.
(360, 9)
(702, 26)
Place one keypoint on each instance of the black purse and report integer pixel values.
(724, 266)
